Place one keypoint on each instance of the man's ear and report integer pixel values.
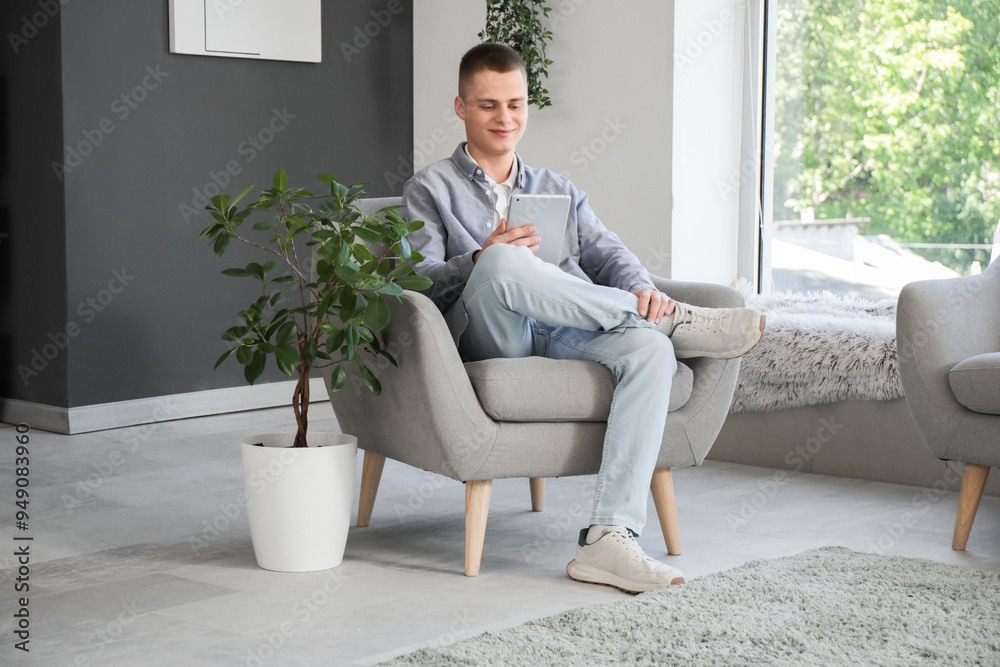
(460, 107)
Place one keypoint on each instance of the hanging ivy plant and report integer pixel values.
(518, 24)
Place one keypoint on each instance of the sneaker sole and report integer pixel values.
(589, 575)
(730, 354)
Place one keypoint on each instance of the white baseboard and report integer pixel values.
(147, 410)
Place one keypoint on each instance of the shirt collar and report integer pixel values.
(469, 167)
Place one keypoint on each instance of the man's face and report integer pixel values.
(495, 111)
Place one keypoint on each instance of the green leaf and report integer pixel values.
(369, 235)
(265, 225)
(353, 336)
(415, 282)
(415, 225)
(392, 289)
(362, 252)
(404, 248)
(244, 354)
(269, 266)
(335, 340)
(312, 351)
(338, 378)
(348, 274)
(377, 313)
(280, 180)
(370, 381)
(256, 367)
(237, 273)
(286, 334)
(242, 195)
(224, 356)
(288, 355)
(221, 241)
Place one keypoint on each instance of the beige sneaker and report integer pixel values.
(616, 559)
(720, 333)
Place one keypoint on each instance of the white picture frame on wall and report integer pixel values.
(263, 29)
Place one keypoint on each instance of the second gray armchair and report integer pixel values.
(948, 339)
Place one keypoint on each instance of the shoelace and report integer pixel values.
(630, 544)
(706, 321)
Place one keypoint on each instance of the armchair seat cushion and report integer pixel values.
(536, 389)
(976, 383)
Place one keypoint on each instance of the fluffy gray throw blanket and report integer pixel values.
(819, 348)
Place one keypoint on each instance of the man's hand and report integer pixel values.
(653, 305)
(517, 236)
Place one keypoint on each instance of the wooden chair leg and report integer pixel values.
(662, 487)
(371, 475)
(537, 485)
(477, 507)
(973, 481)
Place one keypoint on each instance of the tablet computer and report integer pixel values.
(549, 214)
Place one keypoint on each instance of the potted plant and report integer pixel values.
(322, 303)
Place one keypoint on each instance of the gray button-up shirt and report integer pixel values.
(453, 198)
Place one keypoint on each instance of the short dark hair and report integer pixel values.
(488, 56)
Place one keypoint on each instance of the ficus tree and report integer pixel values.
(329, 271)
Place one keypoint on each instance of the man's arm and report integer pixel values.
(431, 241)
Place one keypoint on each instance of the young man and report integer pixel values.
(599, 304)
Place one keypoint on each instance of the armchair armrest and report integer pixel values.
(706, 295)
(428, 414)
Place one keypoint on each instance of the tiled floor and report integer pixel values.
(139, 558)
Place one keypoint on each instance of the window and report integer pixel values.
(882, 165)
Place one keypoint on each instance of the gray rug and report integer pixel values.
(829, 606)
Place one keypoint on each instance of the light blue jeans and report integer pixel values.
(520, 306)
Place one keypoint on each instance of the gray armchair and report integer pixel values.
(948, 339)
(506, 418)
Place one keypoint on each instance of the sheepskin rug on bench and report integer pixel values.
(819, 348)
(821, 393)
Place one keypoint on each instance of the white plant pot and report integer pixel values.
(299, 499)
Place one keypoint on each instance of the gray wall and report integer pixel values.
(33, 249)
(110, 250)
(609, 127)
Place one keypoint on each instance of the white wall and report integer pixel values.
(609, 127)
(708, 93)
